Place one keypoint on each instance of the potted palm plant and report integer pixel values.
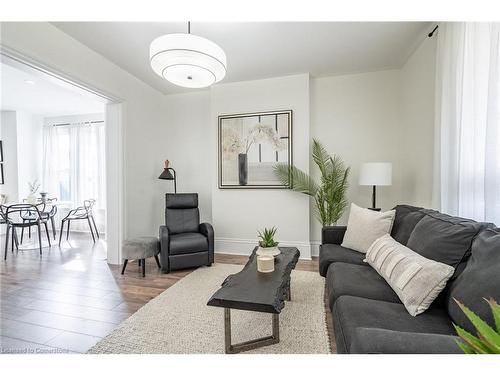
(267, 244)
(329, 193)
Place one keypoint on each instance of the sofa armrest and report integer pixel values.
(164, 248)
(208, 231)
(333, 234)
(384, 341)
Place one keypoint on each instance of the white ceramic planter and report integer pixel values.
(269, 251)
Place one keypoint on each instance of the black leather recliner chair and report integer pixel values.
(184, 242)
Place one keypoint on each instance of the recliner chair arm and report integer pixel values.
(208, 231)
(164, 248)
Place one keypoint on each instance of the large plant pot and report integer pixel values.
(243, 169)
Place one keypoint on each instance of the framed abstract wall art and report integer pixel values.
(250, 145)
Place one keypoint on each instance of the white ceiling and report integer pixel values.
(261, 49)
(45, 96)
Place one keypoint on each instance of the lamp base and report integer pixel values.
(375, 209)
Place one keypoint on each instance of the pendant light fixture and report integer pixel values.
(187, 60)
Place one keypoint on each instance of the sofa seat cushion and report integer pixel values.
(443, 238)
(350, 312)
(329, 253)
(407, 217)
(384, 341)
(479, 280)
(187, 243)
(343, 279)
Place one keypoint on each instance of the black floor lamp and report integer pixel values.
(169, 174)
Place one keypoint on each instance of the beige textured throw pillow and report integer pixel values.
(365, 226)
(416, 280)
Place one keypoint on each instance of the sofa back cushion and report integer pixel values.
(479, 280)
(407, 217)
(443, 238)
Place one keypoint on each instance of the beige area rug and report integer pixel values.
(179, 321)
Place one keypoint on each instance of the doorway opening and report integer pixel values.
(61, 145)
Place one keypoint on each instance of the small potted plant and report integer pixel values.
(267, 244)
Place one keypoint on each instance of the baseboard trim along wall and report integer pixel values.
(241, 246)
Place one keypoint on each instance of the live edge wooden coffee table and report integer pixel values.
(251, 290)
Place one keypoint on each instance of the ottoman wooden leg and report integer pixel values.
(143, 267)
(124, 265)
(157, 261)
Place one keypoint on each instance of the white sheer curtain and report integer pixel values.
(74, 167)
(467, 153)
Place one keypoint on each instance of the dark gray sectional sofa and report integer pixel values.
(368, 316)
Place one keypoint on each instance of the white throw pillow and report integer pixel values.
(365, 226)
(416, 280)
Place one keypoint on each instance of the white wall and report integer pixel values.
(29, 147)
(188, 147)
(238, 214)
(417, 125)
(357, 118)
(143, 115)
(8, 134)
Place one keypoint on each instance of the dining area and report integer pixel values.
(35, 220)
(54, 181)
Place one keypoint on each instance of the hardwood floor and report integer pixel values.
(68, 299)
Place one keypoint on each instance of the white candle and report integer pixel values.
(265, 263)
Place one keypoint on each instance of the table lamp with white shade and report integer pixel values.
(375, 174)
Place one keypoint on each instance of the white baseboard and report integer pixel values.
(315, 248)
(240, 246)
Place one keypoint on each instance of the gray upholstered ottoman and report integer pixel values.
(140, 248)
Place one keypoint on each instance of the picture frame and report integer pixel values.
(250, 145)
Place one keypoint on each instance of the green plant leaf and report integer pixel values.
(330, 193)
(491, 338)
(465, 347)
(495, 310)
(475, 344)
(488, 340)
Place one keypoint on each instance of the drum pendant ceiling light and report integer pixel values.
(187, 60)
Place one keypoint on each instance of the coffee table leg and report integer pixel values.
(252, 344)
(276, 327)
(227, 329)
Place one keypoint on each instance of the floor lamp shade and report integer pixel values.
(375, 174)
(169, 174)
